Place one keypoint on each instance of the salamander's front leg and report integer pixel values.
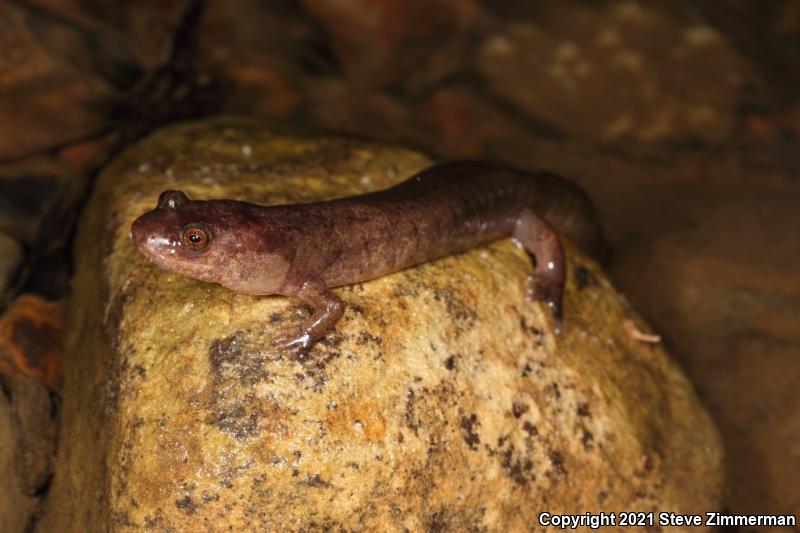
(539, 239)
(326, 309)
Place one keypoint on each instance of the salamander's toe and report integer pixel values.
(297, 344)
(548, 291)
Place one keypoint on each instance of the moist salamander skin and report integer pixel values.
(304, 250)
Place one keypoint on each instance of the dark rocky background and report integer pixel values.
(680, 118)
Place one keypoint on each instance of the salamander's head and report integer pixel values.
(218, 240)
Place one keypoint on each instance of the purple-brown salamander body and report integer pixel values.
(304, 250)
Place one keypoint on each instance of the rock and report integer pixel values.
(10, 260)
(27, 448)
(414, 42)
(44, 97)
(443, 401)
(16, 507)
(33, 412)
(31, 340)
(627, 71)
(726, 290)
(374, 114)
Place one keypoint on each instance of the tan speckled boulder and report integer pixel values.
(442, 401)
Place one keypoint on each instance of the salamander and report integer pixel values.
(303, 250)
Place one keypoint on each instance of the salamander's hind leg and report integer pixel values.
(326, 308)
(540, 240)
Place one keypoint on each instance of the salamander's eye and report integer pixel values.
(196, 237)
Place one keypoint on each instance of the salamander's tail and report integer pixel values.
(571, 212)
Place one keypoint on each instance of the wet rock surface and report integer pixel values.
(443, 400)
